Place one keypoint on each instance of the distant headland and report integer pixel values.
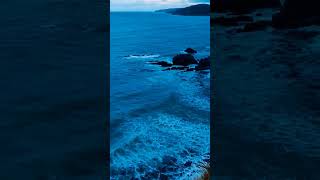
(194, 10)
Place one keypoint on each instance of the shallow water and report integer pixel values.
(157, 115)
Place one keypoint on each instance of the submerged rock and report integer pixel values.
(184, 60)
(162, 63)
(190, 51)
(203, 64)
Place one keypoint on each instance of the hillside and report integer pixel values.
(194, 10)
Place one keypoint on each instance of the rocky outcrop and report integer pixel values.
(184, 60)
(161, 63)
(203, 64)
(194, 10)
(190, 51)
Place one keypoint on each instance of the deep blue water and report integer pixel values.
(157, 115)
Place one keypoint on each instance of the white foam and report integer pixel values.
(149, 138)
(144, 56)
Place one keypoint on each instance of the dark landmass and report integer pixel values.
(167, 10)
(195, 10)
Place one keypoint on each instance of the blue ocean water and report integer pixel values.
(159, 119)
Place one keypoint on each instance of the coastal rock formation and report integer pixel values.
(190, 51)
(194, 10)
(184, 60)
(161, 63)
(203, 64)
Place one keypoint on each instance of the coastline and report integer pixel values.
(166, 101)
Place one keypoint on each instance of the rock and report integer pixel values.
(162, 63)
(184, 60)
(190, 51)
(231, 21)
(193, 10)
(255, 26)
(188, 164)
(203, 64)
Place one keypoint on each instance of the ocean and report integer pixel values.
(160, 122)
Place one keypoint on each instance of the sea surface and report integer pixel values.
(159, 119)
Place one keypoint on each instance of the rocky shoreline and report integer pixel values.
(184, 62)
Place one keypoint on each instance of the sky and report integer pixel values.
(150, 5)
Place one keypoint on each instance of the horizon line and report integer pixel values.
(141, 10)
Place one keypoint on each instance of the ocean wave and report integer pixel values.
(143, 56)
(160, 145)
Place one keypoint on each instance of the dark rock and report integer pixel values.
(188, 164)
(231, 21)
(184, 59)
(162, 63)
(255, 26)
(203, 64)
(190, 51)
(194, 10)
